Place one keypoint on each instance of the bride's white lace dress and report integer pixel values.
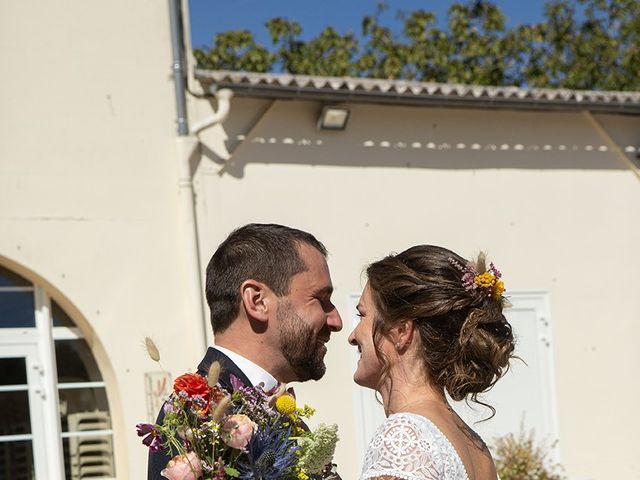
(411, 447)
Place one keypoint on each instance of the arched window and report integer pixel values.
(55, 420)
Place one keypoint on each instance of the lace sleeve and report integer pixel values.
(402, 449)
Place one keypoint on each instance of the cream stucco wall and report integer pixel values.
(89, 208)
(535, 190)
(88, 186)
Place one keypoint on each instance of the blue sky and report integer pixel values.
(211, 16)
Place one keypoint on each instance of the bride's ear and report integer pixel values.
(402, 334)
(256, 299)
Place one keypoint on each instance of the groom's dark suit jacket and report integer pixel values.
(158, 460)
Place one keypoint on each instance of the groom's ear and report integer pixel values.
(256, 299)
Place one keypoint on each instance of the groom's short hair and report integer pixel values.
(267, 253)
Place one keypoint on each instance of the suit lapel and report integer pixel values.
(228, 368)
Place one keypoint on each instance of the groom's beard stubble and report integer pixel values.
(300, 345)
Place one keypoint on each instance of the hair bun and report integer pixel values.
(485, 346)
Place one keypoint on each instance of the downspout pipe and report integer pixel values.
(224, 97)
(179, 77)
(188, 148)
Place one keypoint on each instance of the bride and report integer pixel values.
(431, 323)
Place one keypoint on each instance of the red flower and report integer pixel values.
(192, 384)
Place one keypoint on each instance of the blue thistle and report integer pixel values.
(270, 454)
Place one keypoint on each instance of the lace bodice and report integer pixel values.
(411, 447)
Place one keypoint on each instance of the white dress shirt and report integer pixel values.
(254, 373)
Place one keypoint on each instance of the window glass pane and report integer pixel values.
(13, 371)
(15, 418)
(88, 457)
(10, 279)
(16, 461)
(84, 409)
(75, 362)
(60, 318)
(17, 310)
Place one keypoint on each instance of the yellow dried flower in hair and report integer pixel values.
(485, 280)
(498, 289)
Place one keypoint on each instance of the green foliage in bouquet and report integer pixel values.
(518, 457)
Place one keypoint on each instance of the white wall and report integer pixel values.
(562, 220)
(88, 186)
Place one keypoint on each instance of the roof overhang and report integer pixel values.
(400, 92)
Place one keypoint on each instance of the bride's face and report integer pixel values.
(369, 366)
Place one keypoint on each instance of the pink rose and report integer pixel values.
(183, 467)
(237, 430)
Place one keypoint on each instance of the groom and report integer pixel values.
(269, 291)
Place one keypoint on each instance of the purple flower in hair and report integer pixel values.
(468, 281)
(494, 270)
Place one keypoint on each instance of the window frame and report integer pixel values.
(41, 339)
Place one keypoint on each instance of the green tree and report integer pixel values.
(581, 44)
(235, 50)
(601, 50)
(329, 54)
(382, 55)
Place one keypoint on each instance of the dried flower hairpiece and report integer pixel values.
(488, 281)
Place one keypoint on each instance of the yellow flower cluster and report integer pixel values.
(485, 280)
(286, 405)
(489, 280)
(498, 289)
(306, 411)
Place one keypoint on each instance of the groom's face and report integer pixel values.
(306, 317)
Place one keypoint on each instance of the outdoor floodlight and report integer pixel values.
(333, 118)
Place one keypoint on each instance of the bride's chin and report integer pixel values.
(363, 382)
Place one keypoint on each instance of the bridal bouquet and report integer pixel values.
(246, 433)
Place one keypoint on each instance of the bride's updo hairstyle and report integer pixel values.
(457, 308)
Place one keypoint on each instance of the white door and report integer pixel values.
(22, 397)
(525, 398)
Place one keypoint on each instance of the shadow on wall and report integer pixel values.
(284, 132)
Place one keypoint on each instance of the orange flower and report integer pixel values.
(193, 384)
